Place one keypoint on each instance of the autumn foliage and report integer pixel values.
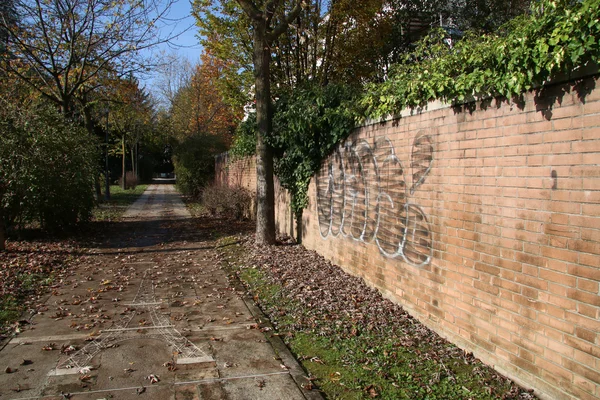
(200, 108)
(203, 123)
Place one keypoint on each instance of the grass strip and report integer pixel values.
(351, 357)
(113, 209)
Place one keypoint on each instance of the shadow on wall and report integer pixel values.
(362, 193)
(545, 97)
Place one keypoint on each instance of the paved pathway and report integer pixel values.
(149, 315)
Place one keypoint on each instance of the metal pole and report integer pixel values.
(106, 172)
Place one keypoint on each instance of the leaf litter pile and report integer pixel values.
(353, 342)
(28, 269)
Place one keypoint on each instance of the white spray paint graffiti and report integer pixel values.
(362, 194)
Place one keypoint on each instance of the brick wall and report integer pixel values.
(235, 172)
(483, 222)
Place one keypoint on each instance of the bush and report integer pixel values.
(194, 162)
(308, 123)
(233, 201)
(131, 180)
(47, 167)
(244, 139)
(557, 36)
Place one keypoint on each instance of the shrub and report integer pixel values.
(194, 162)
(557, 36)
(244, 139)
(47, 167)
(308, 123)
(131, 180)
(232, 201)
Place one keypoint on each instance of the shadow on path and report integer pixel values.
(147, 310)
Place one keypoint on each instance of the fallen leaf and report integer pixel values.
(85, 370)
(170, 365)
(67, 349)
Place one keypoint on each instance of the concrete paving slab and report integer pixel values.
(187, 392)
(196, 373)
(244, 352)
(158, 392)
(150, 303)
(277, 386)
(211, 391)
(29, 379)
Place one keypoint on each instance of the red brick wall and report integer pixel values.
(484, 223)
(242, 173)
(235, 172)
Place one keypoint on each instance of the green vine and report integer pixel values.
(244, 139)
(558, 36)
(308, 123)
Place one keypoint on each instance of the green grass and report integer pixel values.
(25, 285)
(365, 364)
(120, 199)
(10, 310)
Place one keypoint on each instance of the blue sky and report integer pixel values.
(179, 23)
(186, 44)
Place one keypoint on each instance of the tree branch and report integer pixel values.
(270, 8)
(250, 9)
(279, 29)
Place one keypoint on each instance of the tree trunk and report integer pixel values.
(2, 233)
(265, 191)
(299, 227)
(97, 188)
(263, 37)
(90, 127)
(137, 160)
(123, 174)
(133, 159)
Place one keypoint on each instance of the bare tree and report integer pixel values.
(63, 49)
(175, 73)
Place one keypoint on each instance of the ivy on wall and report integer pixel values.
(558, 36)
(244, 139)
(308, 123)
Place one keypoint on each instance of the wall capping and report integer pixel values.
(587, 71)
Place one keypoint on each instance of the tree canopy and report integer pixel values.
(64, 48)
(553, 37)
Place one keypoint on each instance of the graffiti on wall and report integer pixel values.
(362, 194)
